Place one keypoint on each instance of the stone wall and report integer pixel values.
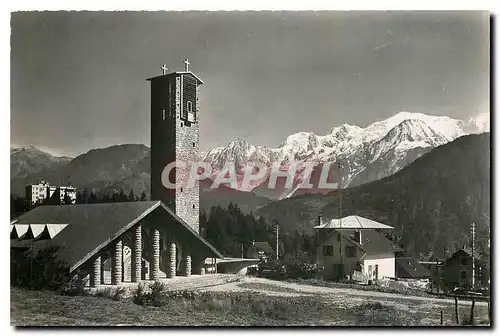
(174, 138)
(187, 150)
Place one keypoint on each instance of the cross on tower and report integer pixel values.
(164, 68)
(186, 65)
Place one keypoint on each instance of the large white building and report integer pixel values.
(355, 244)
(41, 191)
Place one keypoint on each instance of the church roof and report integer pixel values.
(93, 226)
(353, 222)
(178, 73)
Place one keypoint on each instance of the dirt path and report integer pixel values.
(295, 289)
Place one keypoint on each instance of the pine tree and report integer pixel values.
(203, 223)
(122, 197)
(143, 196)
(131, 196)
(230, 229)
(92, 198)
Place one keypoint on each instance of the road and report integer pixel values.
(301, 289)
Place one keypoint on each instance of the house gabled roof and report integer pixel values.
(93, 226)
(409, 267)
(352, 222)
(466, 250)
(373, 242)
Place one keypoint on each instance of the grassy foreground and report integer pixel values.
(44, 308)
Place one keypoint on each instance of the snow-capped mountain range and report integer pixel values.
(366, 154)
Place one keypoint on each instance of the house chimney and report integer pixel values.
(357, 237)
(320, 220)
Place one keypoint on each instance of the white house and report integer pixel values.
(354, 244)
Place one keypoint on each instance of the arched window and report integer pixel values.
(189, 107)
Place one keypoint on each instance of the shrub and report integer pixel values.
(119, 293)
(141, 297)
(272, 269)
(75, 287)
(40, 270)
(295, 266)
(157, 295)
(302, 270)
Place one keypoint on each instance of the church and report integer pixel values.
(112, 243)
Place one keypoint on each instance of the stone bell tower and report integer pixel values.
(175, 138)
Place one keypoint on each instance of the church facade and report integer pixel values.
(112, 243)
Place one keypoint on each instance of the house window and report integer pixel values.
(463, 261)
(327, 250)
(182, 189)
(350, 251)
(194, 144)
(194, 207)
(190, 107)
(464, 275)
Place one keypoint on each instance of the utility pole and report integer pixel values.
(277, 240)
(473, 259)
(340, 220)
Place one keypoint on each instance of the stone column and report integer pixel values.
(95, 279)
(187, 265)
(172, 260)
(137, 255)
(155, 268)
(103, 260)
(124, 270)
(116, 268)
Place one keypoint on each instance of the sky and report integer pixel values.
(78, 79)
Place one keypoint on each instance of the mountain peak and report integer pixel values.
(449, 128)
(345, 131)
(415, 130)
(239, 141)
(300, 138)
(24, 148)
